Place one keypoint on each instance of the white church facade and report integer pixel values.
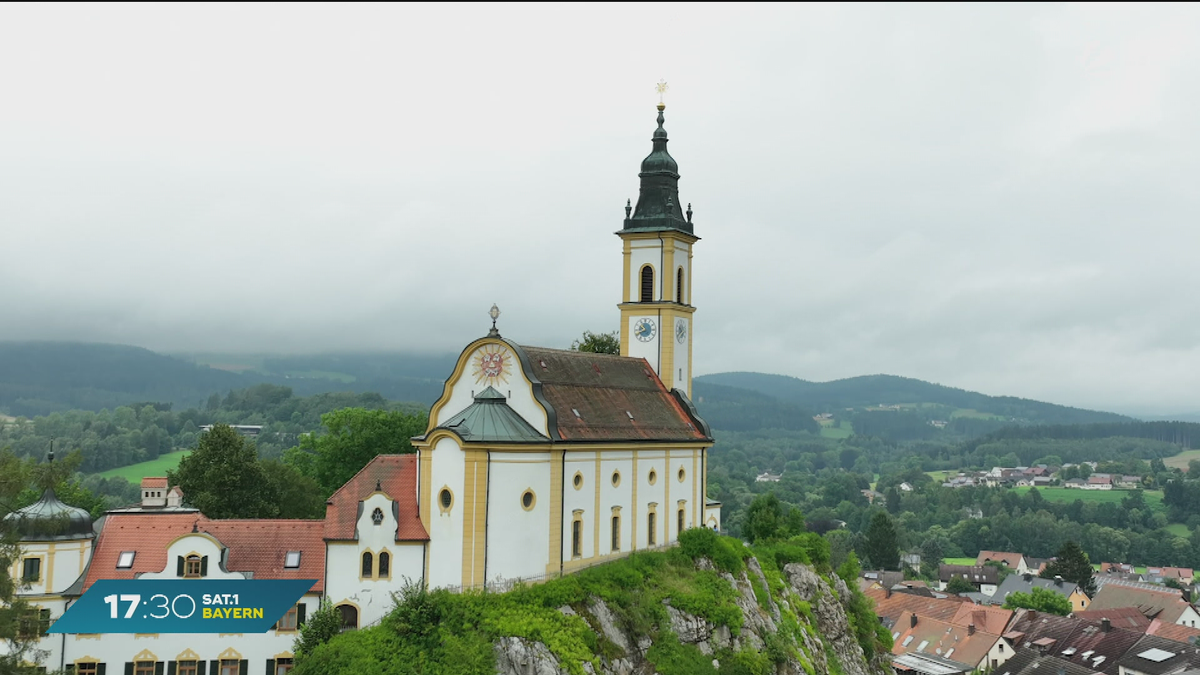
(537, 462)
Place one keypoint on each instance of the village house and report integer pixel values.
(1095, 646)
(1012, 561)
(1153, 655)
(1153, 602)
(984, 578)
(968, 644)
(1025, 583)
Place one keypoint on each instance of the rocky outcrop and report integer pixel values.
(823, 605)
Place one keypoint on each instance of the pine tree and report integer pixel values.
(1072, 565)
(882, 546)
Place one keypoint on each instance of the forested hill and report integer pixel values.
(38, 378)
(871, 392)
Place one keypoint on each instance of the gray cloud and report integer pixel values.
(997, 198)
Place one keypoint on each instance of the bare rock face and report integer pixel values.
(831, 634)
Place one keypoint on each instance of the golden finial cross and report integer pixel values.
(661, 88)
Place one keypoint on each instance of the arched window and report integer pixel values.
(377, 516)
(385, 560)
(679, 286)
(651, 533)
(647, 283)
(577, 539)
(680, 524)
(616, 533)
(349, 616)
(368, 564)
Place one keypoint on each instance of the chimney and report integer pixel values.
(970, 629)
(1057, 580)
(1105, 625)
(912, 621)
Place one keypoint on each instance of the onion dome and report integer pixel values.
(49, 519)
(658, 206)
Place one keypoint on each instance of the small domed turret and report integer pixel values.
(49, 519)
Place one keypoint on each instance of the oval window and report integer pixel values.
(653, 476)
(578, 480)
(616, 479)
(528, 499)
(447, 499)
(681, 474)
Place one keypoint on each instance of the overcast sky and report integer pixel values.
(1000, 198)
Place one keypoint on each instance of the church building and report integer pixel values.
(537, 462)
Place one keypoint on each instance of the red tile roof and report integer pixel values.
(1010, 560)
(986, 618)
(1173, 631)
(1129, 618)
(943, 639)
(396, 475)
(922, 606)
(256, 546)
(617, 397)
(154, 482)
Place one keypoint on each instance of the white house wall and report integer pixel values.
(446, 527)
(518, 540)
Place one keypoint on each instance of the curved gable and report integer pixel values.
(502, 365)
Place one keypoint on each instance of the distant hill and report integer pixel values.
(38, 378)
(870, 393)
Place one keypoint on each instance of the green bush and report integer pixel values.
(700, 542)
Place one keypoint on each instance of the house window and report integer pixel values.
(292, 560)
(647, 283)
(679, 525)
(447, 499)
(283, 666)
(377, 516)
(653, 476)
(349, 616)
(147, 668)
(682, 473)
(679, 286)
(577, 539)
(578, 480)
(616, 478)
(385, 564)
(228, 667)
(91, 668)
(528, 499)
(368, 564)
(182, 668)
(651, 538)
(616, 533)
(31, 570)
(34, 623)
(289, 620)
(125, 560)
(192, 567)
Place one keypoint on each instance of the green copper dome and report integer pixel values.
(658, 205)
(49, 519)
(490, 420)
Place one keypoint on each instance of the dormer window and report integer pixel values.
(193, 567)
(292, 560)
(377, 516)
(125, 560)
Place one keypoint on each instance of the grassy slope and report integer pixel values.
(1058, 494)
(134, 473)
(1181, 460)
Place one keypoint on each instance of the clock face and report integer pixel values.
(644, 330)
(492, 365)
(680, 331)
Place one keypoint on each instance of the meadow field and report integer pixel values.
(1068, 495)
(134, 473)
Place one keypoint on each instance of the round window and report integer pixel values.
(616, 479)
(578, 480)
(528, 499)
(653, 476)
(447, 499)
(681, 474)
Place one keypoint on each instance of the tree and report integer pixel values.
(299, 496)
(882, 545)
(931, 556)
(768, 519)
(1039, 599)
(892, 500)
(1072, 565)
(223, 478)
(850, 570)
(16, 652)
(841, 545)
(958, 585)
(356, 436)
(598, 343)
(320, 627)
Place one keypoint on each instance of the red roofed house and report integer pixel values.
(536, 462)
(1013, 561)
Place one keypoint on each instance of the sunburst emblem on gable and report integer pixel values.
(492, 365)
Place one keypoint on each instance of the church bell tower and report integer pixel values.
(656, 298)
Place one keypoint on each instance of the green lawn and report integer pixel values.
(1068, 495)
(134, 473)
(830, 431)
(941, 476)
(959, 561)
(1179, 530)
(1181, 460)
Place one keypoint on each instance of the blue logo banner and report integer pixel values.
(182, 606)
